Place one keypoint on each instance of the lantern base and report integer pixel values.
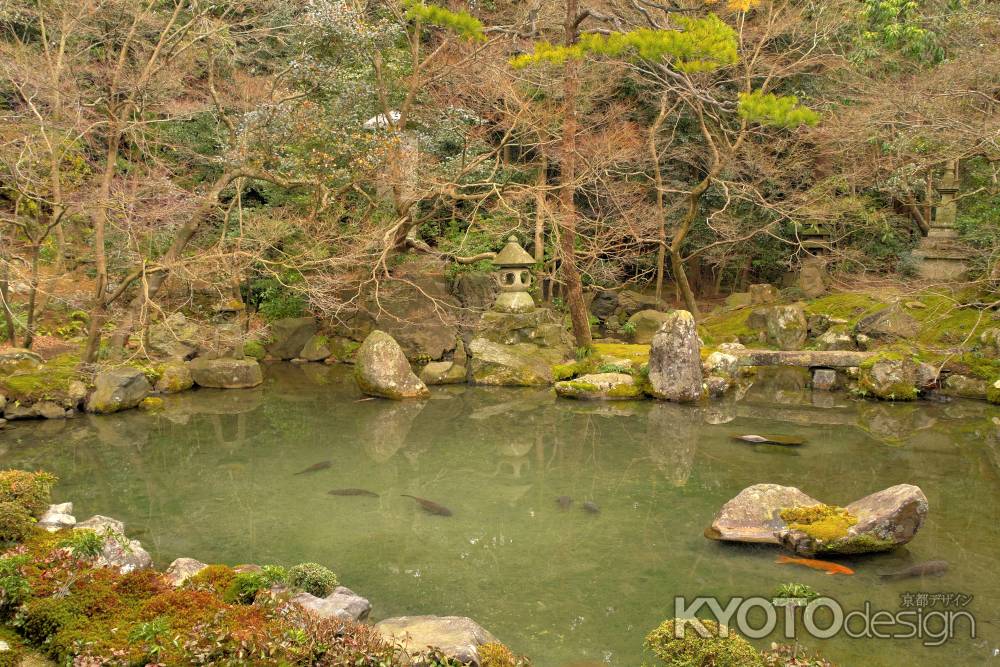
(514, 302)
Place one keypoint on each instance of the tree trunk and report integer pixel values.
(8, 314)
(99, 308)
(29, 329)
(567, 241)
(540, 184)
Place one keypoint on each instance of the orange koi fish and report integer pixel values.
(826, 566)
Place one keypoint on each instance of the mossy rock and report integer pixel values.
(601, 387)
(993, 393)
(254, 349)
(50, 381)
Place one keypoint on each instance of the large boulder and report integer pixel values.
(317, 348)
(475, 291)
(183, 569)
(226, 373)
(600, 387)
(457, 637)
(754, 515)
(519, 365)
(443, 372)
(604, 304)
(14, 359)
(118, 389)
(885, 520)
(289, 336)
(763, 294)
(343, 603)
(176, 377)
(541, 327)
(175, 337)
(645, 324)
(675, 359)
(894, 376)
(381, 369)
(787, 327)
(889, 324)
(631, 302)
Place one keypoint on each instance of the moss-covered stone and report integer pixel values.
(254, 349)
(825, 523)
(993, 393)
(51, 381)
(678, 642)
(600, 387)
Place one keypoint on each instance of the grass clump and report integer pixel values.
(676, 642)
(244, 586)
(821, 522)
(313, 578)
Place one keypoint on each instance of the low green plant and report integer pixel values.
(629, 328)
(14, 586)
(244, 586)
(313, 578)
(796, 590)
(275, 299)
(83, 543)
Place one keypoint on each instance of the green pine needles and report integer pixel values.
(775, 110)
(461, 23)
(701, 45)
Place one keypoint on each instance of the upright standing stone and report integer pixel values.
(675, 359)
(381, 369)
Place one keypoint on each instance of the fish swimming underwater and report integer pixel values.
(430, 506)
(770, 440)
(564, 502)
(316, 467)
(825, 566)
(918, 570)
(591, 507)
(353, 492)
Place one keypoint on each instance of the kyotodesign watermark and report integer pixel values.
(932, 618)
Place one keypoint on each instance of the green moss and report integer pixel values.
(847, 306)
(638, 354)
(625, 391)
(254, 349)
(690, 649)
(151, 404)
(825, 523)
(858, 544)
(49, 381)
(993, 393)
(726, 327)
(16, 648)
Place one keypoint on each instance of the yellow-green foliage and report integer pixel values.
(254, 349)
(12, 656)
(15, 522)
(701, 45)
(850, 306)
(30, 490)
(637, 354)
(725, 326)
(776, 110)
(822, 522)
(495, 654)
(690, 649)
(50, 380)
(461, 23)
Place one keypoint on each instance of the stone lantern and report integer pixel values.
(514, 270)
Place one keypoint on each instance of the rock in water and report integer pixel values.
(443, 372)
(675, 359)
(226, 373)
(518, 365)
(457, 637)
(381, 369)
(887, 519)
(118, 389)
(289, 336)
(600, 387)
(754, 515)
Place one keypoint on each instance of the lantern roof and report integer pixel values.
(513, 255)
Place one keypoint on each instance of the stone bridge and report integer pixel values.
(802, 359)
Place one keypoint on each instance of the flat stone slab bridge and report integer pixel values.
(802, 358)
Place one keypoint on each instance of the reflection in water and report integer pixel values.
(212, 477)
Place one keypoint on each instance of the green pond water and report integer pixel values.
(212, 477)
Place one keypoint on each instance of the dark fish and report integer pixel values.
(316, 467)
(353, 492)
(591, 507)
(430, 506)
(771, 440)
(564, 502)
(918, 570)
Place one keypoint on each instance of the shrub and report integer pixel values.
(31, 490)
(15, 522)
(794, 590)
(14, 586)
(313, 578)
(495, 654)
(245, 585)
(721, 648)
(83, 543)
(215, 579)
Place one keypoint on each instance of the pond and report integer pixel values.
(213, 477)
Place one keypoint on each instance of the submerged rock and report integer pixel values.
(342, 603)
(226, 373)
(600, 387)
(457, 637)
(289, 336)
(183, 569)
(754, 515)
(824, 379)
(381, 369)
(518, 365)
(675, 359)
(118, 389)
